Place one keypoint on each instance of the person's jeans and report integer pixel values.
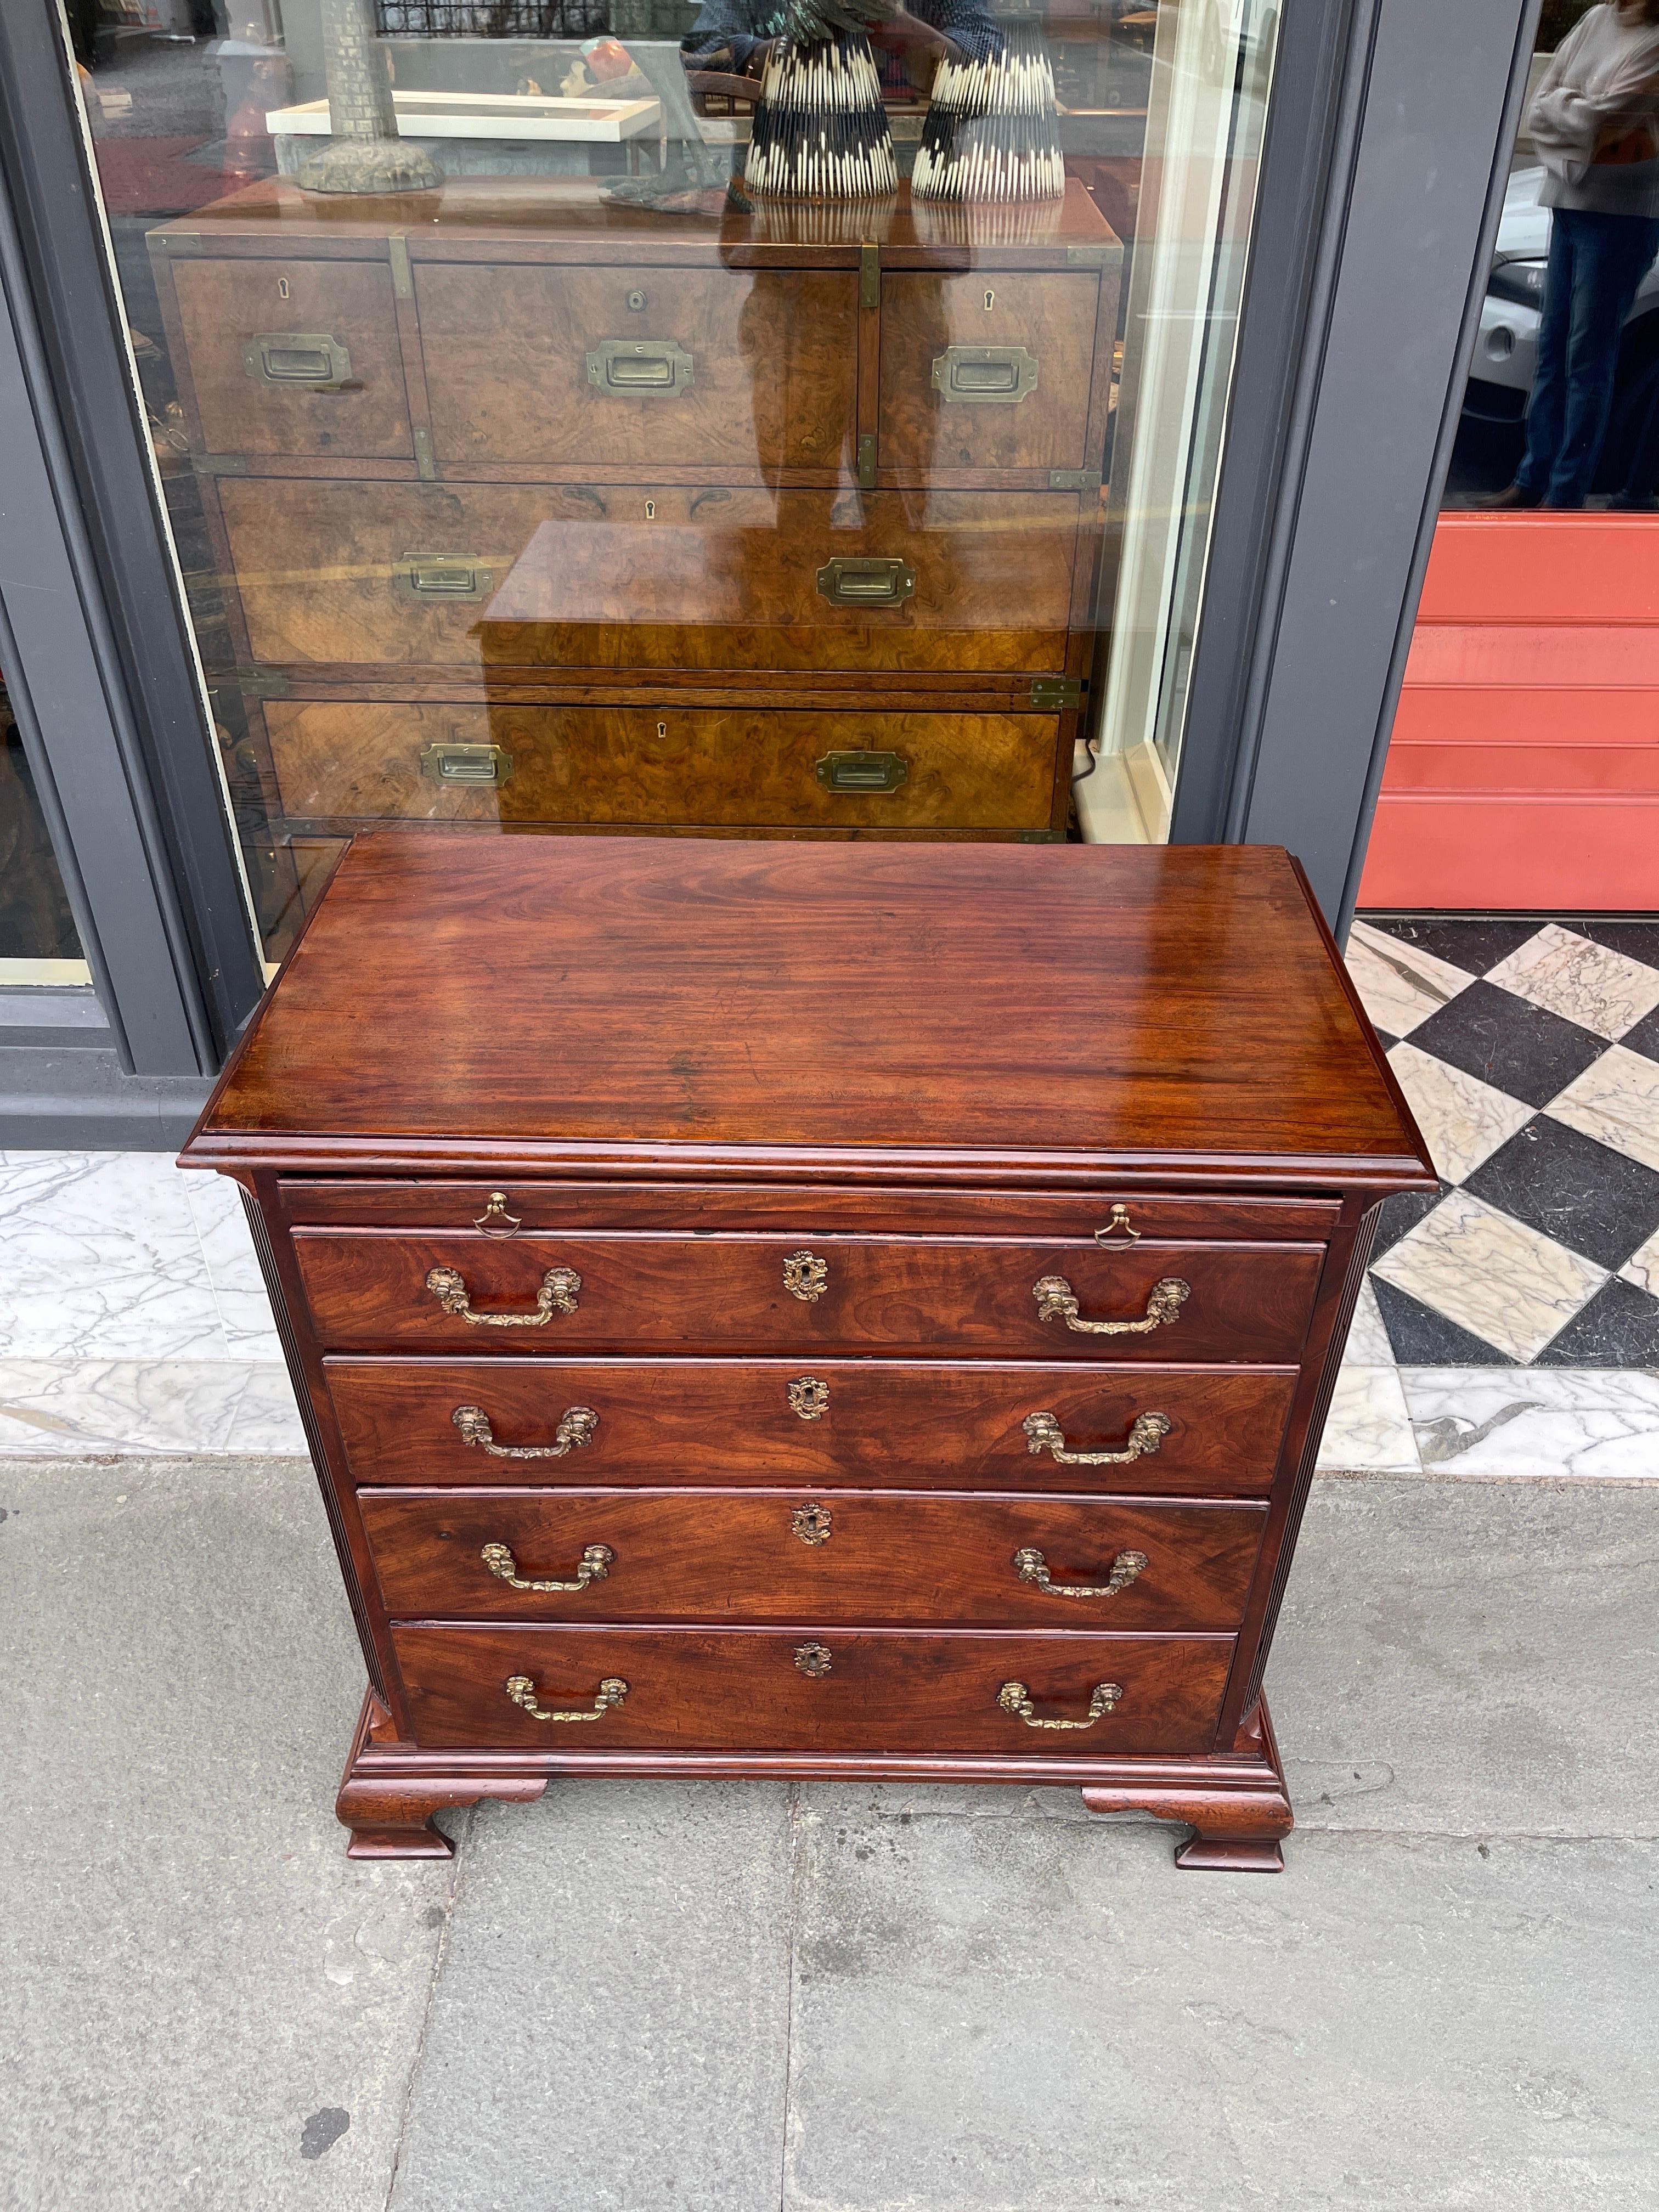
(1596, 261)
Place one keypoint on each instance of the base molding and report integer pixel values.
(1235, 1801)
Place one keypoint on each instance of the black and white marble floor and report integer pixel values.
(1510, 1325)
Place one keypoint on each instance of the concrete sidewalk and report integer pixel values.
(641, 1997)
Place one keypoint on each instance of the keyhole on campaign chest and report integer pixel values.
(282, 288)
(651, 510)
(662, 729)
(990, 301)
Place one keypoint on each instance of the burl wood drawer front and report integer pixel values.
(810, 1688)
(1183, 1303)
(666, 576)
(1149, 1430)
(664, 763)
(988, 371)
(832, 1555)
(640, 365)
(295, 357)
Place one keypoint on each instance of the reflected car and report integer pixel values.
(1506, 349)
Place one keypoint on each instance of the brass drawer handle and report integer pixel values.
(596, 1563)
(641, 368)
(557, 1295)
(522, 1690)
(985, 376)
(310, 361)
(862, 771)
(427, 576)
(1034, 1568)
(575, 1429)
(1014, 1698)
(1044, 1433)
(866, 583)
(1057, 1301)
(470, 765)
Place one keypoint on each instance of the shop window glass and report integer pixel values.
(678, 416)
(39, 942)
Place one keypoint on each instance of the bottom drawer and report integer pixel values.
(665, 764)
(812, 1689)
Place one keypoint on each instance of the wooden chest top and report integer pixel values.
(932, 1013)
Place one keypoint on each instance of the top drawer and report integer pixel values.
(1018, 1297)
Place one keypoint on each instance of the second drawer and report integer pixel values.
(691, 1555)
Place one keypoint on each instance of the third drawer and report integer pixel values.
(841, 1556)
(1158, 1430)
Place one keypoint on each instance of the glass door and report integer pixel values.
(683, 416)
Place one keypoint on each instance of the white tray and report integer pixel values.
(489, 115)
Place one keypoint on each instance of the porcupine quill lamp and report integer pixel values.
(819, 131)
(993, 130)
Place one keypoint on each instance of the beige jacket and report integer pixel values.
(1593, 118)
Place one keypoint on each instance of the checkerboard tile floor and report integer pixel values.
(1529, 1052)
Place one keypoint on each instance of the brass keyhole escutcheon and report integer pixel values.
(662, 729)
(282, 288)
(813, 1523)
(637, 301)
(990, 301)
(806, 1276)
(813, 1659)
(651, 510)
(809, 1397)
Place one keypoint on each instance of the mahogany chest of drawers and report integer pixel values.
(534, 507)
(813, 1309)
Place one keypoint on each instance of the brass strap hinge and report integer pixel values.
(1091, 257)
(1074, 479)
(403, 280)
(867, 461)
(869, 275)
(219, 465)
(1054, 693)
(181, 241)
(426, 464)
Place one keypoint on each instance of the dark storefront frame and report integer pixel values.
(1381, 177)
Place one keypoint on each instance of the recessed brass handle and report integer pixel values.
(1015, 1700)
(846, 582)
(1057, 1301)
(557, 1295)
(575, 1429)
(465, 763)
(981, 376)
(862, 771)
(1043, 1434)
(427, 576)
(309, 361)
(1034, 1568)
(641, 368)
(595, 1565)
(522, 1690)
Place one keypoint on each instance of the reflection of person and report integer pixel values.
(736, 35)
(1594, 121)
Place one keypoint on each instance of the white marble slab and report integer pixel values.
(1464, 1119)
(1601, 990)
(68, 1408)
(1541, 1422)
(1642, 1268)
(1400, 985)
(232, 1267)
(266, 1420)
(1616, 1101)
(1491, 1275)
(103, 1261)
(1368, 1344)
(1367, 1429)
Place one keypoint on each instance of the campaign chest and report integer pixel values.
(530, 506)
(813, 1309)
